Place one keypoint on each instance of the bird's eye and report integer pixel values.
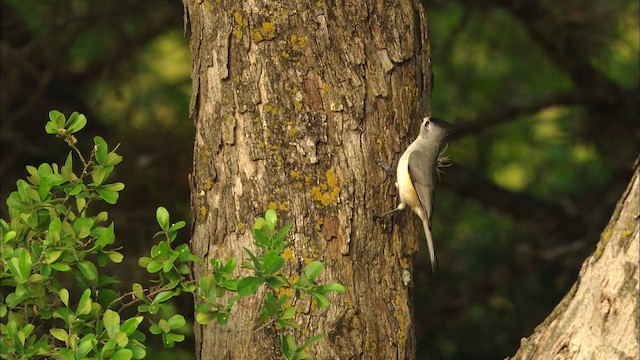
(426, 123)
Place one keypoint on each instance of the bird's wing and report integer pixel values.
(421, 168)
(422, 177)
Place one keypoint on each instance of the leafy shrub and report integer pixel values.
(52, 235)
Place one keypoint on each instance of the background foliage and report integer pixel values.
(544, 94)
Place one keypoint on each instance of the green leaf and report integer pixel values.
(105, 238)
(64, 296)
(137, 291)
(205, 317)
(111, 320)
(249, 285)
(288, 313)
(131, 325)
(283, 232)
(109, 196)
(117, 186)
(9, 236)
(256, 262)
(84, 305)
(271, 217)
(59, 334)
(138, 349)
(102, 149)
(333, 287)
(164, 296)
(272, 262)
(321, 298)
(259, 223)
(82, 227)
(113, 159)
(61, 267)
(122, 354)
(155, 329)
(20, 265)
(222, 318)
(175, 337)
(45, 169)
(68, 163)
(44, 187)
(57, 117)
(311, 341)
(262, 239)
(276, 281)
(98, 174)
(88, 269)
(76, 122)
(154, 266)
(52, 255)
(177, 226)
(51, 128)
(162, 216)
(313, 269)
(289, 345)
(176, 322)
(121, 339)
(86, 345)
(230, 265)
(115, 256)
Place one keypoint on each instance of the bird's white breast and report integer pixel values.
(406, 190)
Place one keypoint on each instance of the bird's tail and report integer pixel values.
(432, 253)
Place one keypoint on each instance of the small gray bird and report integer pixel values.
(416, 174)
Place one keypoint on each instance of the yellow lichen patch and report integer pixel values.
(319, 222)
(242, 23)
(626, 233)
(331, 178)
(294, 174)
(326, 88)
(292, 131)
(286, 291)
(256, 36)
(240, 226)
(271, 109)
(285, 54)
(273, 205)
(327, 192)
(208, 184)
(284, 206)
(297, 42)
(287, 254)
(297, 185)
(203, 211)
(268, 30)
(237, 32)
(371, 345)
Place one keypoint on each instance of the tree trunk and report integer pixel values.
(598, 318)
(294, 104)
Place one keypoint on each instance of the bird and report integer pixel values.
(416, 174)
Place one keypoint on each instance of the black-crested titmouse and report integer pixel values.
(416, 174)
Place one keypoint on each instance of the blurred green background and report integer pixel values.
(544, 95)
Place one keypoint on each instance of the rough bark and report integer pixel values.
(598, 318)
(294, 103)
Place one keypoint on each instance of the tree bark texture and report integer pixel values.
(294, 104)
(598, 318)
